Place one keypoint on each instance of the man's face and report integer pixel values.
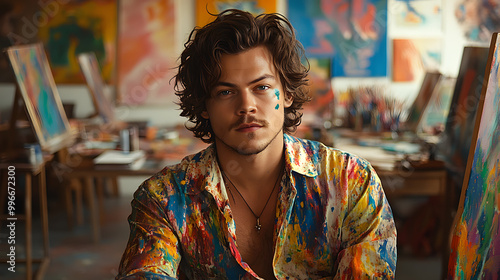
(246, 108)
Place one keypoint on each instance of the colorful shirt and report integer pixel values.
(333, 221)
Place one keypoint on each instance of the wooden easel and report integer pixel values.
(30, 170)
(10, 151)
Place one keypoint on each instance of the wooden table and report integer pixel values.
(90, 172)
(29, 171)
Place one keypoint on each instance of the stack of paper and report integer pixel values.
(113, 158)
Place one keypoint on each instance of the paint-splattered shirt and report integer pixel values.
(333, 221)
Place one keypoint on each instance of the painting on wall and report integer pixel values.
(12, 13)
(77, 27)
(477, 19)
(206, 7)
(413, 57)
(475, 248)
(353, 34)
(91, 70)
(41, 98)
(146, 52)
(320, 90)
(453, 149)
(416, 16)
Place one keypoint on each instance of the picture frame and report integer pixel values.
(95, 83)
(40, 95)
(476, 236)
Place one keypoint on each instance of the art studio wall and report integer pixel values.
(447, 32)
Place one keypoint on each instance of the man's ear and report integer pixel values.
(205, 115)
(288, 100)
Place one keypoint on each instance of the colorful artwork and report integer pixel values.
(352, 33)
(77, 27)
(478, 19)
(146, 52)
(320, 90)
(40, 95)
(416, 15)
(420, 103)
(91, 70)
(413, 57)
(475, 248)
(437, 111)
(456, 141)
(206, 7)
(12, 13)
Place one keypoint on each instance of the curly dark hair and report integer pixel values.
(232, 32)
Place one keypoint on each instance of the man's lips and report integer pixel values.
(248, 127)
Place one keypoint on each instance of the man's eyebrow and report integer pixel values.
(263, 77)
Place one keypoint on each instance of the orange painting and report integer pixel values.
(146, 52)
(206, 7)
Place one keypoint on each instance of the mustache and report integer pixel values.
(248, 119)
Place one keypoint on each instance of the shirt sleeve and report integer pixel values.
(368, 232)
(152, 251)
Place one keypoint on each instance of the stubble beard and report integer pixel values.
(245, 148)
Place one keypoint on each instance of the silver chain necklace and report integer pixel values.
(258, 226)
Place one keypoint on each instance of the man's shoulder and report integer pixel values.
(322, 154)
(175, 176)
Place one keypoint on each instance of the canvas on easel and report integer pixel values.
(39, 93)
(455, 144)
(420, 103)
(475, 247)
(91, 71)
(438, 108)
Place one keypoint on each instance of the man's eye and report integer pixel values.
(263, 87)
(224, 93)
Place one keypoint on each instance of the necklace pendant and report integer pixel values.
(258, 226)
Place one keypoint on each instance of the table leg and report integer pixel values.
(27, 208)
(94, 212)
(44, 214)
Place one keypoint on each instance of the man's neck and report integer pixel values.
(255, 172)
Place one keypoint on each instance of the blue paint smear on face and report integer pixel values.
(277, 93)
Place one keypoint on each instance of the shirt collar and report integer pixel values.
(300, 155)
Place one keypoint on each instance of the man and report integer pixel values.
(258, 203)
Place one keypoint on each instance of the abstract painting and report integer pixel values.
(475, 248)
(454, 146)
(205, 7)
(413, 57)
(91, 70)
(320, 90)
(76, 27)
(146, 52)
(352, 33)
(478, 19)
(416, 16)
(40, 95)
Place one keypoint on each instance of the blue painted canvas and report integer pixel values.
(352, 33)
